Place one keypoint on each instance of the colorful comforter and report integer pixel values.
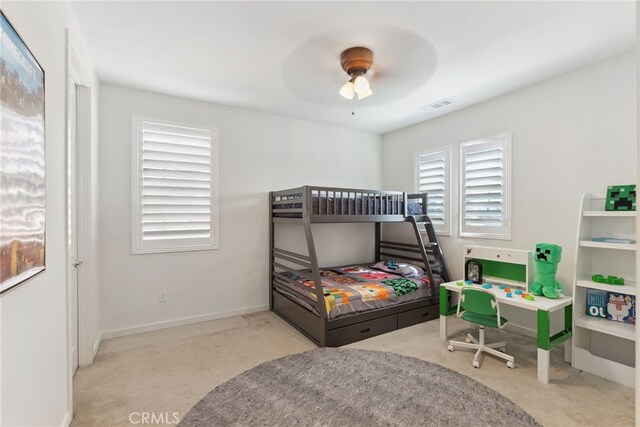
(359, 288)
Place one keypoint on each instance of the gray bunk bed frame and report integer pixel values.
(296, 206)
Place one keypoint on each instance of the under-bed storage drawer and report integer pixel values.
(419, 315)
(361, 331)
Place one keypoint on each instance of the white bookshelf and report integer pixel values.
(603, 347)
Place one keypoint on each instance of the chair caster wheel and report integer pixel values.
(511, 365)
(503, 350)
(450, 348)
(476, 364)
(467, 340)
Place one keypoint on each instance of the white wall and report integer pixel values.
(34, 360)
(258, 153)
(572, 134)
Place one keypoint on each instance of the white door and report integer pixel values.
(72, 226)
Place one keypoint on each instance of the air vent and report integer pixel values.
(437, 105)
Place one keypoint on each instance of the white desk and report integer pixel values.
(541, 305)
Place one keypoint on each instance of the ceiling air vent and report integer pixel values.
(437, 105)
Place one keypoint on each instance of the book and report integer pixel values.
(613, 306)
(597, 303)
(621, 308)
(613, 240)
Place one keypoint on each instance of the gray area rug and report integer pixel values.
(348, 387)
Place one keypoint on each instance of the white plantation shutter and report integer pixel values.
(174, 188)
(485, 187)
(432, 177)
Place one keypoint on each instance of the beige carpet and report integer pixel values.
(169, 371)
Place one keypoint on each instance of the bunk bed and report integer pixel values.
(334, 306)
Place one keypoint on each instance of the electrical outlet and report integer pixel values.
(163, 296)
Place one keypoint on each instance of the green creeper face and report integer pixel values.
(547, 252)
(621, 198)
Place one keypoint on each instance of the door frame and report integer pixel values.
(76, 74)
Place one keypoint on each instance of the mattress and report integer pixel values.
(354, 206)
(356, 288)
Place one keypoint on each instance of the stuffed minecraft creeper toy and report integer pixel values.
(546, 259)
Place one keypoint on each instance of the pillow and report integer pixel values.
(397, 267)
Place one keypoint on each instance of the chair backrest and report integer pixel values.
(479, 302)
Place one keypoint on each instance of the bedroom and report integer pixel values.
(559, 78)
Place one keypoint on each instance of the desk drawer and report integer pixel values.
(361, 331)
(419, 315)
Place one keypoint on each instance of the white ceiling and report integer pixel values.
(283, 57)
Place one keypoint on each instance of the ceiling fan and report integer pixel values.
(356, 61)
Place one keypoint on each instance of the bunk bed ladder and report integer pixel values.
(315, 272)
(439, 263)
(425, 257)
(307, 211)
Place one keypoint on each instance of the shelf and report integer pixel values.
(618, 329)
(618, 372)
(629, 287)
(501, 281)
(629, 214)
(606, 245)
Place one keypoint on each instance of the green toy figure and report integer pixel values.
(546, 258)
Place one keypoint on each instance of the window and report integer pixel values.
(485, 188)
(432, 177)
(175, 193)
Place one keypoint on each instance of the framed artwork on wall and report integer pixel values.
(22, 160)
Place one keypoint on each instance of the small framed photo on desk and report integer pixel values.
(473, 271)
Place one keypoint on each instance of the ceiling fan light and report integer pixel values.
(347, 90)
(361, 85)
(365, 94)
(356, 62)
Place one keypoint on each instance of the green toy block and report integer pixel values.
(611, 280)
(621, 198)
(459, 284)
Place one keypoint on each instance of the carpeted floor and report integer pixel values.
(349, 387)
(170, 371)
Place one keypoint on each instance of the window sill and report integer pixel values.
(146, 251)
(485, 236)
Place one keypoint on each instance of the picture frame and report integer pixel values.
(473, 271)
(621, 198)
(22, 171)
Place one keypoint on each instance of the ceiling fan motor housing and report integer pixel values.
(356, 60)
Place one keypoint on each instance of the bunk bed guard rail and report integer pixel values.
(328, 204)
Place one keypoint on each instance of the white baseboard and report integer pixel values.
(114, 333)
(66, 421)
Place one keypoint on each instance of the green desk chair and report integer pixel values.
(480, 307)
